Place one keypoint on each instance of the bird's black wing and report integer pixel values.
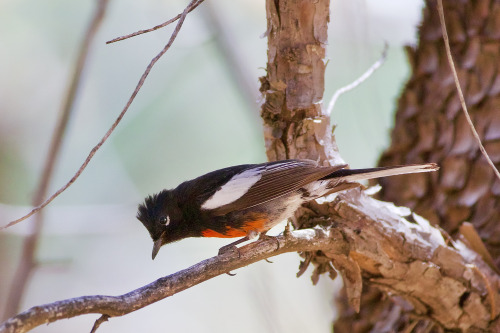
(265, 182)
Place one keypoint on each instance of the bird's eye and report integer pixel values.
(165, 220)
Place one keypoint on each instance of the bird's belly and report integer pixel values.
(261, 218)
(277, 211)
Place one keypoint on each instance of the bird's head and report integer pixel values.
(162, 218)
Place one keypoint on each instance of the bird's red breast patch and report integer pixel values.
(253, 222)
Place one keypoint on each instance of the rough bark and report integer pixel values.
(294, 125)
(430, 124)
(431, 127)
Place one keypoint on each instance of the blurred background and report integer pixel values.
(192, 116)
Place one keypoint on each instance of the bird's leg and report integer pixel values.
(232, 246)
(250, 236)
(263, 236)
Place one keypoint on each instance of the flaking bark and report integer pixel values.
(294, 125)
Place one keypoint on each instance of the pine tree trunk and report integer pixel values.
(431, 127)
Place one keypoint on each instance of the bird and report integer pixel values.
(247, 200)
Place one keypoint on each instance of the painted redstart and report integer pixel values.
(247, 200)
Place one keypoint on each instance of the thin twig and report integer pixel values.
(358, 81)
(190, 7)
(113, 126)
(459, 89)
(98, 323)
(26, 263)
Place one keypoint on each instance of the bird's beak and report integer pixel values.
(156, 247)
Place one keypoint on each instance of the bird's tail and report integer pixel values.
(354, 175)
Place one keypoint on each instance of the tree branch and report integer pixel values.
(315, 239)
(434, 276)
(190, 7)
(376, 65)
(360, 236)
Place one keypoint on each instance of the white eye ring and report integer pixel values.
(165, 220)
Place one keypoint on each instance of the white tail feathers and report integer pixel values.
(355, 175)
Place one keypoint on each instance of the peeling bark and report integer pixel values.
(435, 277)
(294, 125)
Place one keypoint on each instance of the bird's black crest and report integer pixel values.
(149, 212)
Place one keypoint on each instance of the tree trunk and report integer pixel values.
(294, 126)
(431, 127)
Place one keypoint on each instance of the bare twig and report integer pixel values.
(26, 263)
(459, 89)
(98, 323)
(113, 126)
(190, 7)
(113, 306)
(358, 81)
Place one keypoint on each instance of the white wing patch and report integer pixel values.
(234, 189)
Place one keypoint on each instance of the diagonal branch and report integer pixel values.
(190, 7)
(113, 306)
(376, 65)
(360, 236)
(113, 126)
